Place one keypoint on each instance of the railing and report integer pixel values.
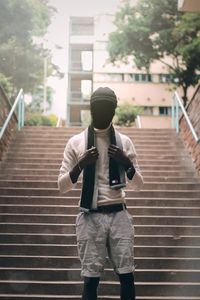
(176, 106)
(20, 102)
(138, 122)
(8, 118)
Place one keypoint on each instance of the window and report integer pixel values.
(82, 29)
(148, 110)
(86, 60)
(86, 89)
(146, 77)
(137, 77)
(109, 77)
(149, 77)
(165, 78)
(116, 77)
(164, 110)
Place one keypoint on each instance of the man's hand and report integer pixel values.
(89, 157)
(118, 154)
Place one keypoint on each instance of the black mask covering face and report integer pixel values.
(102, 113)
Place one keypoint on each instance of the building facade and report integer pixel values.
(89, 68)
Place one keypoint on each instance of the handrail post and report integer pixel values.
(173, 112)
(21, 112)
(177, 116)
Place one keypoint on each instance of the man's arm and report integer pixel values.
(89, 157)
(65, 182)
(136, 182)
(71, 167)
(120, 156)
(127, 158)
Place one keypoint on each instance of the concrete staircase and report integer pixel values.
(38, 255)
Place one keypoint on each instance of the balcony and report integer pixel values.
(77, 97)
(82, 26)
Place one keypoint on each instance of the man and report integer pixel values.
(103, 226)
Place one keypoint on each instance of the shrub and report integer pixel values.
(126, 114)
(34, 119)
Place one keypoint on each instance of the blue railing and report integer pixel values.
(177, 107)
(19, 102)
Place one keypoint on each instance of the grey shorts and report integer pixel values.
(100, 235)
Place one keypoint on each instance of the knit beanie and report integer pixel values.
(103, 93)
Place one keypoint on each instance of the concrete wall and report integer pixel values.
(193, 110)
(156, 121)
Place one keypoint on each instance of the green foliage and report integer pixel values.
(6, 85)
(22, 61)
(152, 30)
(24, 19)
(53, 119)
(37, 119)
(125, 114)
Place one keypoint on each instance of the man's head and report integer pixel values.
(102, 105)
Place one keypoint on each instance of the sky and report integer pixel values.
(58, 35)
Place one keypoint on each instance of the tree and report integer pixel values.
(152, 30)
(21, 60)
(6, 85)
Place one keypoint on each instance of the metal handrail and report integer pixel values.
(138, 121)
(176, 104)
(20, 102)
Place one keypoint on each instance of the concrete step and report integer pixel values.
(146, 161)
(55, 274)
(154, 172)
(73, 209)
(130, 201)
(70, 219)
(41, 177)
(175, 231)
(139, 140)
(105, 288)
(71, 250)
(144, 149)
(53, 184)
(133, 134)
(74, 297)
(58, 155)
(45, 261)
(45, 129)
(76, 192)
(77, 297)
(64, 239)
(61, 143)
(64, 134)
(56, 166)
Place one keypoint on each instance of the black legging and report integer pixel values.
(127, 290)
(90, 288)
